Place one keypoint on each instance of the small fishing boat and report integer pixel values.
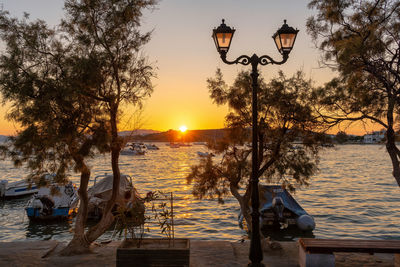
(184, 144)
(53, 202)
(142, 146)
(16, 189)
(133, 149)
(279, 209)
(20, 188)
(200, 143)
(101, 192)
(152, 147)
(174, 145)
(205, 154)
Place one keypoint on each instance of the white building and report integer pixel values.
(374, 137)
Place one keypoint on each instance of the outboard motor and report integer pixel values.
(3, 188)
(48, 205)
(69, 190)
(278, 207)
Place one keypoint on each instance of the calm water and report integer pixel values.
(353, 196)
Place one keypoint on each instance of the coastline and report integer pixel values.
(202, 254)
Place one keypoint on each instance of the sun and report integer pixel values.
(183, 128)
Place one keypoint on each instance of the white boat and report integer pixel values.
(185, 144)
(205, 154)
(16, 189)
(152, 147)
(200, 143)
(141, 146)
(101, 192)
(53, 202)
(133, 149)
(20, 188)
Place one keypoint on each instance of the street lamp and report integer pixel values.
(284, 40)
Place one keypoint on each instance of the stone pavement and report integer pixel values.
(202, 254)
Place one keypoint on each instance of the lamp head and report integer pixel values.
(284, 38)
(222, 37)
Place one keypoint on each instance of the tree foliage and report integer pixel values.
(66, 86)
(39, 78)
(341, 137)
(285, 117)
(360, 39)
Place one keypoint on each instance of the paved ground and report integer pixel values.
(202, 254)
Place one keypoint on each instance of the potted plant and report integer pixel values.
(139, 251)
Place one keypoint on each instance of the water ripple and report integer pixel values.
(353, 196)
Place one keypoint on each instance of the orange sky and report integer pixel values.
(185, 55)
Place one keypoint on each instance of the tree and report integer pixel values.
(66, 88)
(341, 137)
(360, 40)
(107, 32)
(285, 117)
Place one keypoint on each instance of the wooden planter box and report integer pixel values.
(154, 252)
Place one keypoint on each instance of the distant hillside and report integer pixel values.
(137, 132)
(189, 136)
(3, 138)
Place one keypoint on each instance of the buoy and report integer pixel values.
(305, 223)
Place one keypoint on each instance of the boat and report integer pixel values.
(205, 154)
(133, 149)
(279, 209)
(141, 146)
(200, 143)
(152, 147)
(174, 145)
(101, 191)
(184, 144)
(20, 188)
(52, 202)
(17, 189)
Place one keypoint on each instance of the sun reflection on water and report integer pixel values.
(353, 196)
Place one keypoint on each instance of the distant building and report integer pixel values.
(374, 137)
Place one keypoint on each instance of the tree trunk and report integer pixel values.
(244, 205)
(392, 150)
(108, 218)
(391, 139)
(79, 243)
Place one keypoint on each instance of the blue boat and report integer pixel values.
(279, 209)
(53, 202)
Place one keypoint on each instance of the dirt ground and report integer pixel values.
(202, 254)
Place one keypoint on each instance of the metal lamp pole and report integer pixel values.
(284, 40)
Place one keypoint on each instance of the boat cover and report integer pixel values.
(103, 188)
(268, 192)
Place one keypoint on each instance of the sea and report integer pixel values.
(352, 196)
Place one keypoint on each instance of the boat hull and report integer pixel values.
(291, 214)
(279, 210)
(20, 192)
(56, 214)
(53, 202)
(16, 189)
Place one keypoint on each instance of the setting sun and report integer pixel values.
(183, 128)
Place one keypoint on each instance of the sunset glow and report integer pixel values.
(181, 94)
(183, 128)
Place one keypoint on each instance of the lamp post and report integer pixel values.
(284, 39)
